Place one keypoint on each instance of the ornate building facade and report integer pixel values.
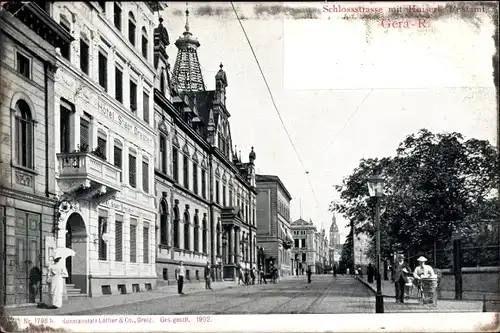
(274, 238)
(29, 38)
(304, 252)
(206, 195)
(101, 145)
(321, 249)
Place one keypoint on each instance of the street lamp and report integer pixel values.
(376, 190)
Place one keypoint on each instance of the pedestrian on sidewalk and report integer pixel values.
(334, 270)
(401, 271)
(181, 272)
(247, 278)
(208, 276)
(240, 276)
(252, 275)
(370, 271)
(262, 276)
(55, 277)
(309, 273)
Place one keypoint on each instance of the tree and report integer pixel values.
(436, 186)
(347, 255)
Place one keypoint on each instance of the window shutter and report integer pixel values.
(119, 238)
(145, 176)
(145, 242)
(133, 240)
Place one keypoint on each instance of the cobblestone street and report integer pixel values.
(293, 295)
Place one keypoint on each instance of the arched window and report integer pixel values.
(196, 234)
(24, 130)
(205, 236)
(162, 82)
(131, 28)
(176, 227)
(163, 222)
(144, 43)
(187, 237)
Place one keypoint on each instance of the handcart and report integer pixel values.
(427, 293)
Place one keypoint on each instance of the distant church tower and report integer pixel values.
(334, 233)
(187, 76)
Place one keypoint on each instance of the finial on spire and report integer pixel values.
(187, 18)
(221, 65)
(161, 20)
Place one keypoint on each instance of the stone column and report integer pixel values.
(50, 128)
(94, 60)
(140, 95)
(230, 245)
(126, 84)
(181, 231)
(111, 72)
(237, 245)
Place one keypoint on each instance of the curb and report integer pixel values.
(369, 286)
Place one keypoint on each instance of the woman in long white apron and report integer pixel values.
(56, 274)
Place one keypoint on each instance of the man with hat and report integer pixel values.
(401, 270)
(423, 270)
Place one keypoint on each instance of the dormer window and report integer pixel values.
(131, 28)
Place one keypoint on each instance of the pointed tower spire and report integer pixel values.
(187, 76)
(187, 18)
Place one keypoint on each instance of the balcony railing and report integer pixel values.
(87, 170)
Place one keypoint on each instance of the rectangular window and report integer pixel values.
(230, 198)
(296, 243)
(84, 56)
(175, 164)
(65, 129)
(203, 184)
(133, 240)
(119, 238)
(118, 153)
(101, 146)
(103, 71)
(66, 50)
(103, 246)
(145, 243)
(145, 107)
(163, 154)
(145, 176)
(23, 65)
(303, 242)
(217, 191)
(224, 195)
(133, 96)
(118, 16)
(186, 171)
(119, 85)
(84, 135)
(132, 170)
(195, 178)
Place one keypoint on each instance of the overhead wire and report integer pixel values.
(274, 104)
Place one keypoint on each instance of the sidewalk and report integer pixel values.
(79, 304)
(412, 304)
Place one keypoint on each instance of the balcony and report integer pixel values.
(88, 177)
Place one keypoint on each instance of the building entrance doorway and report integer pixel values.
(28, 259)
(76, 239)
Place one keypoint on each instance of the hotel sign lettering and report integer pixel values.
(123, 122)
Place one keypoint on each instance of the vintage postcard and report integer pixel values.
(246, 166)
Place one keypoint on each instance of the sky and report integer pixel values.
(345, 89)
